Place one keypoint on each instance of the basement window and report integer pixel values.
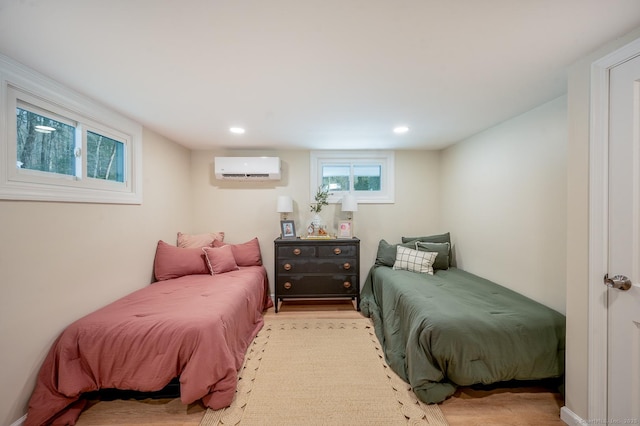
(56, 145)
(368, 175)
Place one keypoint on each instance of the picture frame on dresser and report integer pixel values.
(345, 229)
(288, 229)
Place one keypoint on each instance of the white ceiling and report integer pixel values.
(319, 74)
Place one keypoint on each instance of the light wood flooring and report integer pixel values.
(506, 405)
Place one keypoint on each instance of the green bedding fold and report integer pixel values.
(455, 328)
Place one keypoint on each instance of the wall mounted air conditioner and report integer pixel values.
(247, 168)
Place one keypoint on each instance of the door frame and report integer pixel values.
(598, 227)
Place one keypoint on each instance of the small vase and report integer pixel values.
(316, 221)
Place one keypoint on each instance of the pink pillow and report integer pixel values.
(199, 240)
(220, 259)
(246, 254)
(173, 262)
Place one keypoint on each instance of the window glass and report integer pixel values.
(57, 145)
(367, 177)
(105, 158)
(336, 177)
(44, 144)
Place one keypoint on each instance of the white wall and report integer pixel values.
(504, 202)
(60, 261)
(248, 209)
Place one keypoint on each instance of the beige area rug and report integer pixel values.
(321, 372)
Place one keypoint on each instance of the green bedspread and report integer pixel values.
(455, 328)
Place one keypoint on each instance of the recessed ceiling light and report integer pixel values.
(400, 129)
(236, 130)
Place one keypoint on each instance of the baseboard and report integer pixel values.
(571, 418)
(20, 421)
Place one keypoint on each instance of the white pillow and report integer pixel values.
(414, 260)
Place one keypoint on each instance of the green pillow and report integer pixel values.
(440, 238)
(442, 260)
(386, 255)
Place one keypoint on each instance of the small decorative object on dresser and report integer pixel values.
(308, 269)
(321, 199)
(344, 229)
(288, 229)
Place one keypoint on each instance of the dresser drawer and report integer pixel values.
(295, 251)
(317, 286)
(337, 250)
(318, 265)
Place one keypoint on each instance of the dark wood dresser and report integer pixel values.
(317, 269)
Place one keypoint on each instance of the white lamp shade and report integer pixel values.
(349, 203)
(285, 204)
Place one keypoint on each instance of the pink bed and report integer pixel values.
(195, 327)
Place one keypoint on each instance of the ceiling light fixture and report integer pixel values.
(236, 130)
(400, 129)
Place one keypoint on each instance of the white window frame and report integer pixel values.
(21, 86)
(385, 159)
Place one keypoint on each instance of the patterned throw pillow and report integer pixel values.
(414, 260)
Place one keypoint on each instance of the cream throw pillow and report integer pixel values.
(414, 260)
(199, 240)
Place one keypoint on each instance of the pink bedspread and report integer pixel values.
(197, 327)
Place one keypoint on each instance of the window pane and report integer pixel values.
(336, 177)
(105, 158)
(367, 177)
(44, 144)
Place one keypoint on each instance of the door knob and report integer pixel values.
(620, 282)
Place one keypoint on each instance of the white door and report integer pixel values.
(623, 405)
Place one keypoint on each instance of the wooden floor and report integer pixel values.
(508, 404)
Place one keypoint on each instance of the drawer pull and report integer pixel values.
(346, 284)
(346, 265)
(287, 266)
(287, 285)
(296, 251)
(337, 250)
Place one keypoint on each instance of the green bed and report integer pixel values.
(455, 328)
